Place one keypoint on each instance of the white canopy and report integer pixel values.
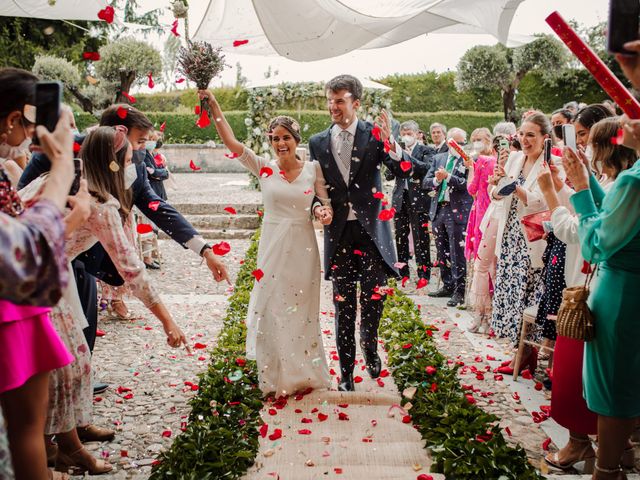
(60, 10)
(317, 29)
(275, 81)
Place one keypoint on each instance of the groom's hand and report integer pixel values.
(384, 122)
(323, 214)
(216, 266)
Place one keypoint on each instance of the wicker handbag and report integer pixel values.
(575, 319)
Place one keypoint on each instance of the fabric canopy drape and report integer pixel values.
(317, 29)
(60, 10)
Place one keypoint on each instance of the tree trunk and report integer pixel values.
(126, 80)
(85, 102)
(509, 104)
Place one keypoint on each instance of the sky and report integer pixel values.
(437, 52)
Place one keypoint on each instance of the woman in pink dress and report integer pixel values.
(34, 273)
(479, 173)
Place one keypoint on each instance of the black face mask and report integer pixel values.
(557, 131)
(138, 155)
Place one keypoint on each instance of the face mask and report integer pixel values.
(75, 131)
(408, 140)
(130, 175)
(557, 131)
(150, 145)
(11, 152)
(478, 146)
(139, 155)
(588, 152)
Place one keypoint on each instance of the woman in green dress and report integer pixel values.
(609, 233)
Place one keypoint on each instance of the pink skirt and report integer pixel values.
(29, 344)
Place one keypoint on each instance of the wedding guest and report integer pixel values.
(558, 118)
(412, 205)
(438, 134)
(449, 214)
(29, 345)
(475, 245)
(518, 282)
(508, 129)
(568, 407)
(585, 119)
(610, 237)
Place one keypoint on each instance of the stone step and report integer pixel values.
(224, 221)
(219, 234)
(206, 208)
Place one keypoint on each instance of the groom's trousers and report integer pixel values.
(357, 259)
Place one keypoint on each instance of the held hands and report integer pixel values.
(441, 174)
(575, 169)
(323, 214)
(217, 268)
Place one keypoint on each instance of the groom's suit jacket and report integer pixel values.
(364, 179)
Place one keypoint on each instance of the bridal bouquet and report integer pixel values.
(200, 63)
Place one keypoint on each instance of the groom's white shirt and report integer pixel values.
(335, 147)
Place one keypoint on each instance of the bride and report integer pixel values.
(283, 329)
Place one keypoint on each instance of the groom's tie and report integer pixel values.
(344, 151)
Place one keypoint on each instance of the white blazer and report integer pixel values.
(499, 209)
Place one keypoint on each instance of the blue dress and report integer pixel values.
(610, 237)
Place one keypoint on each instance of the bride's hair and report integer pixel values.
(286, 122)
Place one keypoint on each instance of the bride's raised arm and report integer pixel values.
(221, 124)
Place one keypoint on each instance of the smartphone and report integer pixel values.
(503, 145)
(547, 226)
(569, 136)
(48, 99)
(547, 151)
(623, 25)
(77, 168)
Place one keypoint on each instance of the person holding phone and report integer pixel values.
(518, 282)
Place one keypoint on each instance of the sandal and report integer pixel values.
(81, 461)
(117, 310)
(609, 474)
(92, 433)
(587, 455)
(53, 475)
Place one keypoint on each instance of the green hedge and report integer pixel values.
(181, 128)
(221, 437)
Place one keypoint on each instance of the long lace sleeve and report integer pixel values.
(251, 161)
(604, 231)
(106, 224)
(320, 186)
(33, 263)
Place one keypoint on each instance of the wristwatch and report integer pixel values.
(206, 246)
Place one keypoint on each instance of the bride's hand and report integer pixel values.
(206, 95)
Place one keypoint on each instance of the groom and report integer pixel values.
(357, 245)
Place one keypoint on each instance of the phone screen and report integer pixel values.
(623, 24)
(569, 135)
(77, 167)
(48, 97)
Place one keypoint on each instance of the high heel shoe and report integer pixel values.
(117, 310)
(587, 455)
(531, 363)
(480, 322)
(93, 433)
(81, 461)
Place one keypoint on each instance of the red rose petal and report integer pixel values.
(306, 420)
(257, 274)
(131, 98)
(375, 131)
(380, 382)
(545, 444)
(387, 147)
(166, 433)
(106, 14)
(174, 28)
(200, 346)
(143, 228)
(422, 282)
(154, 205)
(378, 195)
(357, 379)
(179, 80)
(230, 210)
(265, 172)
(163, 126)
(322, 417)
(404, 281)
(150, 82)
(221, 248)
(431, 370)
(526, 375)
(122, 112)
(405, 166)
(386, 215)
(231, 155)
(277, 433)
(424, 476)
(304, 431)
(406, 419)
(384, 373)
(343, 416)
(263, 430)
(193, 166)
(238, 43)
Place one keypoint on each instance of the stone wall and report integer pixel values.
(210, 157)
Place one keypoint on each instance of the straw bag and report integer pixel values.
(575, 319)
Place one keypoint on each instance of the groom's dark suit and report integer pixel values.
(356, 250)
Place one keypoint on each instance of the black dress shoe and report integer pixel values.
(99, 388)
(443, 292)
(373, 363)
(347, 385)
(152, 266)
(456, 299)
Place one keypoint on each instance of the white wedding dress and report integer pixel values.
(283, 327)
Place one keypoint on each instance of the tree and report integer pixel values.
(488, 66)
(125, 63)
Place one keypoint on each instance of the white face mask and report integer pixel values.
(588, 152)
(478, 146)
(408, 140)
(11, 152)
(130, 175)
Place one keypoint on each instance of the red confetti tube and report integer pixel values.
(605, 77)
(453, 144)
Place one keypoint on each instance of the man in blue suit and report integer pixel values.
(358, 245)
(95, 263)
(412, 203)
(450, 207)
